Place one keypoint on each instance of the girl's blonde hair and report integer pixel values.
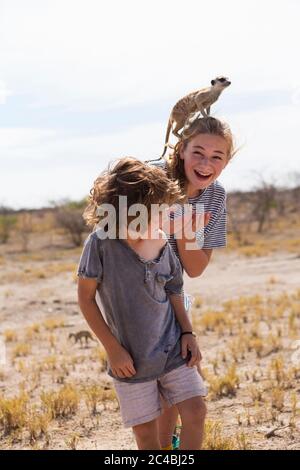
(203, 125)
(140, 182)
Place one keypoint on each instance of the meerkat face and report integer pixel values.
(220, 82)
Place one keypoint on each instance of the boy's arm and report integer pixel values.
(188, 341)
(120, 360)
(91, 312)
(180, 312)
(174, 290)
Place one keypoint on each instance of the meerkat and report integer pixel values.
(197, 101)
(80, 335)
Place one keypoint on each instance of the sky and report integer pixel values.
(85, 82)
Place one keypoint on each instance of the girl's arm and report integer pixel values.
(194, 262)
(120, 360)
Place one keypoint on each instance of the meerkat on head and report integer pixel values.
(197, 101)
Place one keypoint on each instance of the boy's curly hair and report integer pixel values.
(203, 125)
(140, 182)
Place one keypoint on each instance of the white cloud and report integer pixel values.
(106, 53)
(4, 92)
(269, 146)
(22, 138)
(93, 55)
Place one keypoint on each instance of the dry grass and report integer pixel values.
(251, 365)
(225, 385)
(10, 336)
(56, 395)
(27, 275)
(53, 323)
(216, 439)
(249, 372)
(13, 413)
(21, 350)
(63, 403)
(254, 245)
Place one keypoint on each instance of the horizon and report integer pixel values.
(52, 205)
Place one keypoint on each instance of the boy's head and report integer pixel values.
(199, 157)
(130, 181)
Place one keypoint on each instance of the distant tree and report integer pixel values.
(239, 212)
(68, 216)
(294, 180)
(25, 228)
(7, 222)
(236, 216)
(264, 200)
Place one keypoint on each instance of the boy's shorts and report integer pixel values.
(142, 402)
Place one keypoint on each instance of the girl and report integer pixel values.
(199, 157)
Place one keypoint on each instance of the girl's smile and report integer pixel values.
(205, 157)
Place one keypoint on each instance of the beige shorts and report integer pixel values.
(142, 402)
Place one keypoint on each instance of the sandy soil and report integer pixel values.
(26, 303)
(229, 276)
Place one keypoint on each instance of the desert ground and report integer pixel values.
(55, 394)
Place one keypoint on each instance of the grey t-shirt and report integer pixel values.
(133, 294)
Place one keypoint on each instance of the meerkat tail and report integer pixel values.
(167, 136)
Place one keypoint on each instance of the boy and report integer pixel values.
(151, 348)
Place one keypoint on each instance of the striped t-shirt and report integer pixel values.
(213, 199)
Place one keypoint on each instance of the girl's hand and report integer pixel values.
(190, 347)
(190, 218)
(200, 221)
(121, 363)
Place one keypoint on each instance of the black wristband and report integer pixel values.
(188, 333)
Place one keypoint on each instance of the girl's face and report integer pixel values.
(205, 157)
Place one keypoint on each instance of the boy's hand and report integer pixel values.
(121, 363)
(189, 347)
